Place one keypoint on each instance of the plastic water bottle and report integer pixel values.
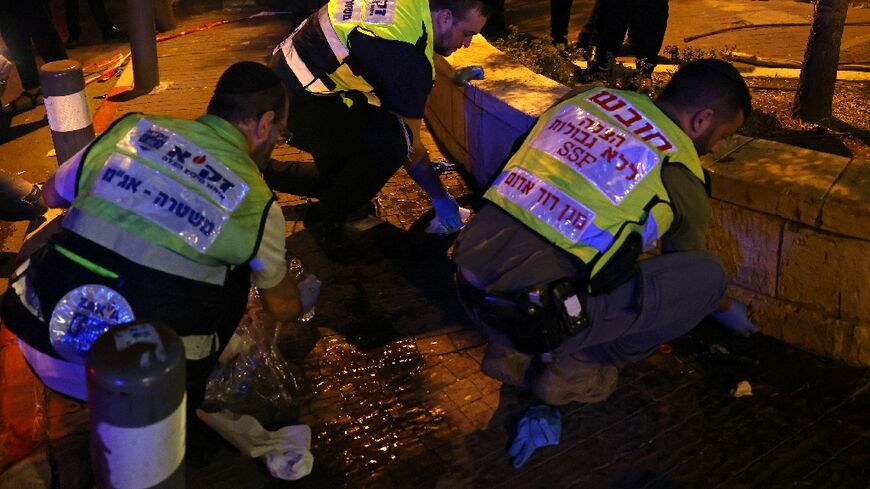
(299, 274)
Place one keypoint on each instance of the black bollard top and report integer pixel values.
(137, 367)
(62, 77)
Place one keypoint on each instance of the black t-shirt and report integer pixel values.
(399, 72)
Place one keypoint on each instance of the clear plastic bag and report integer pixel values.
(253, 377)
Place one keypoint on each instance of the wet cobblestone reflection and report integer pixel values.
(368, 404)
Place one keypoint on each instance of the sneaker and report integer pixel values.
(505, 364)
(24, 102)
(575, 380)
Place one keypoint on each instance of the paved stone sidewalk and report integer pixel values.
(392, 388)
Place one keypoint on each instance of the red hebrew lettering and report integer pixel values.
(572, 131)
(580, 221)
(586, 139)
(622, 163)
(609, 153)
(556, 125)
(635, 116)
(525, 189)
(588, 159)
(646, 127)
(613, 137)
(607, 101)
(666, 145)
(554, 204)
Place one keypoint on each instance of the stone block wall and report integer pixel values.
(791, 225)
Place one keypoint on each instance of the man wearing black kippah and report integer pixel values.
(169, 220)
(359, 74)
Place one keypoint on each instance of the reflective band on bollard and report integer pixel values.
(66, 106)
(136, 397)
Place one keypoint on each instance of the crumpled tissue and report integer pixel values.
(286, 451)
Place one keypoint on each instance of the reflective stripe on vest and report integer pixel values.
(298, 67)
(589, 174)
(322, 40)
(181, 187)
(140, 251)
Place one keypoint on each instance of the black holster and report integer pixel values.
(537, 320)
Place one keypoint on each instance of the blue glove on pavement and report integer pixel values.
(736, 319)
(447, 211)
(539, 427)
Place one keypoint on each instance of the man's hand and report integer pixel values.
(309, 290)
(735, 318)
(447, 212)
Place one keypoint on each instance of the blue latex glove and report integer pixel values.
(539, 427)
(736, 319)
(309, 290)
(447, 211)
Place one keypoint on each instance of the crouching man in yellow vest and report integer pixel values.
(549, 267)
(359, 73)
(169, 220)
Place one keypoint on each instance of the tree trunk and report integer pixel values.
(815, 93)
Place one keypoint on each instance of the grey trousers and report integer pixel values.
(670, 296)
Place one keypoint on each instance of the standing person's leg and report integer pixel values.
(589, 34)
(495, 26)
(73, 23)
(611, 24)
(101, 17)
(560, 17)
(649, 21)
(41, 30)
(12, 28)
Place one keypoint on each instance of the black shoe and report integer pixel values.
(595, 71)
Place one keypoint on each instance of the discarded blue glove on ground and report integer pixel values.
(736, 319)
(539, 427)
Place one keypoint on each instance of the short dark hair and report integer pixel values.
(246, 91)
(460, 8)
(709, 83)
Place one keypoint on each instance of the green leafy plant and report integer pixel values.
(687, 54)
(540, 55)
